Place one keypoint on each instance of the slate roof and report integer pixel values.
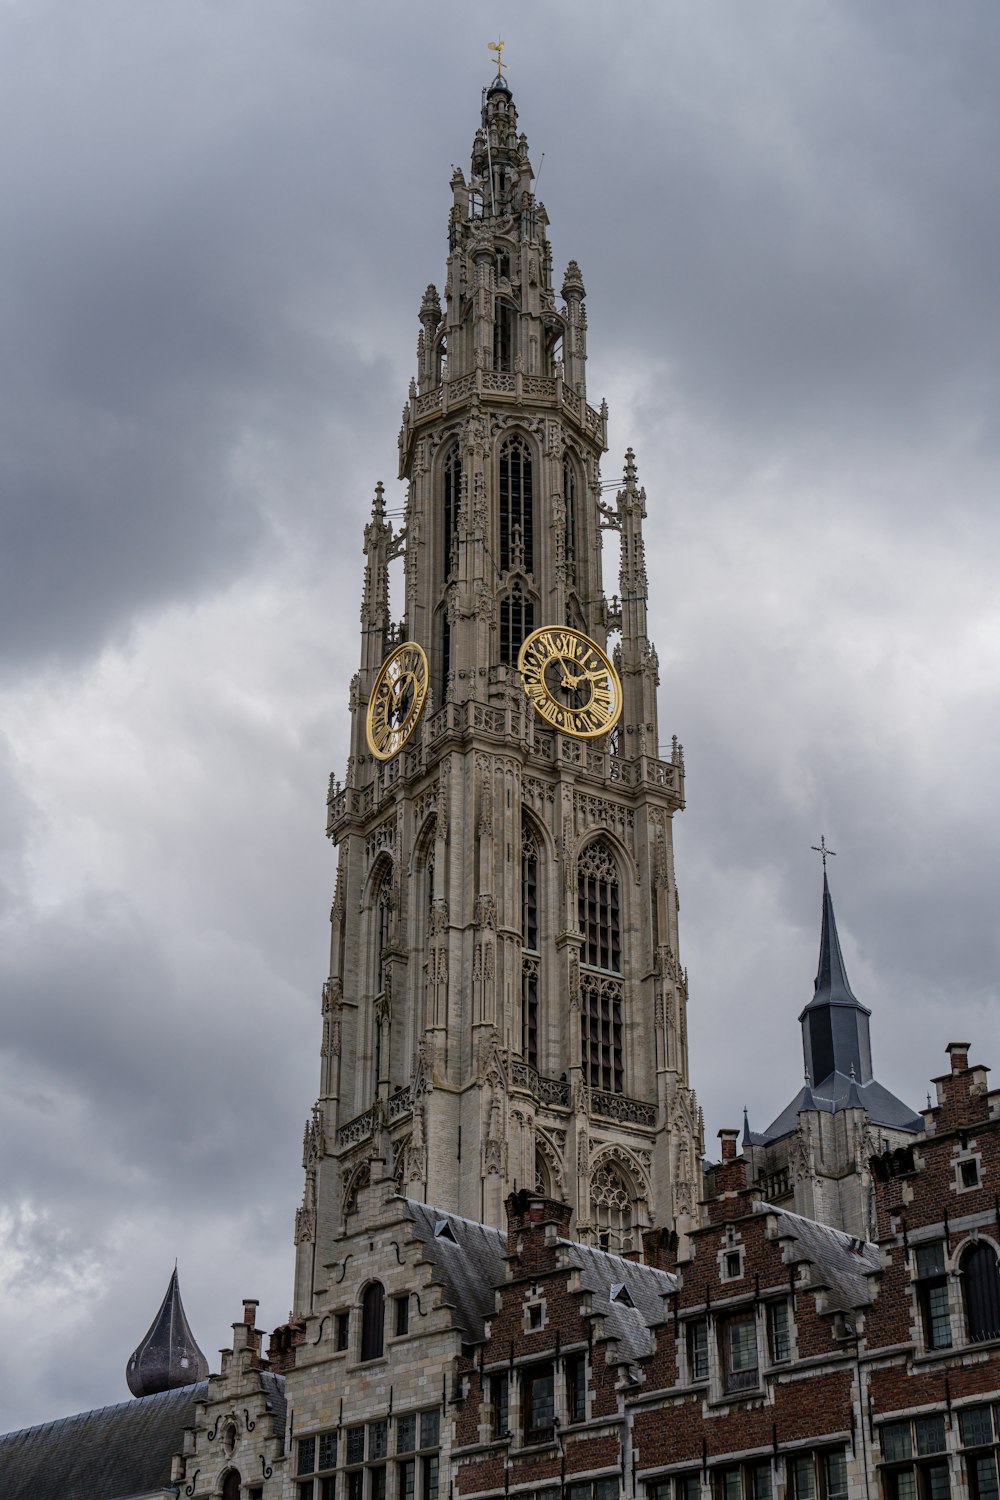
(602, 1274)
(468, 1267)
(102, 1454)
(112, 1452)
(883, 1108)
(844, 1266)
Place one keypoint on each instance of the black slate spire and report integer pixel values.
(834, 1024)
(168, 1356)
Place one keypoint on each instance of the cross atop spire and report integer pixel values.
(498, 47)
(821, 848)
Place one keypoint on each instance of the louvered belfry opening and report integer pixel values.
(601, 994)
(516, 509)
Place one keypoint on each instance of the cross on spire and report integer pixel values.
(821, 848)
(498, 47)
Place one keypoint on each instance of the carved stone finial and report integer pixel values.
(430, 307)
(573, 282)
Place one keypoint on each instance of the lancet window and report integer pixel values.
(611, 1200)
(503, 335)
(529, 948)
(516, 507)
(601, 991)
(383, 914)
(569, 500)
(517, 621)
(452, 485)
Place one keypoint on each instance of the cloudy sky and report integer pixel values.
(219, 217)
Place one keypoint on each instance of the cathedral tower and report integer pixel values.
(505, 1005)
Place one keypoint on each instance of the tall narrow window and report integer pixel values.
(517, 621)
(452, 499)
(932, 1295)
(503, 336)
(445, 655)
(600, 994)
(981, 1290)
(598, 906)
(516, 510)
(529, 948)
(373, 1321)
(569, 499)
(383, 912)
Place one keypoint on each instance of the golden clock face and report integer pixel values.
(570, 681)
(397, 700)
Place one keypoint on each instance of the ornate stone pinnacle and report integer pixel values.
(573, 281)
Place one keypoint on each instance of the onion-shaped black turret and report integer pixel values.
(168, 1356)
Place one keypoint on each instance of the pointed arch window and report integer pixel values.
(611, 1199)
(373, 1321)
(516, 507)
(981, 1291)
(569, 499)
(383, 915)
(517, 621)
(529, 948)
(231, 1485)
(598, 906)
(452, 485)
(601, 991)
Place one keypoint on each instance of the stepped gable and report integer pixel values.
(626, 1294)
(842, 1265)
(115, 1450)
(470, 1262)
(168, 1357)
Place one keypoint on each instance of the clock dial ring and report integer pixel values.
(570, 681)
(397, 700)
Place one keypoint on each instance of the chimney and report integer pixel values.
(729, 1139)
(959, 1054)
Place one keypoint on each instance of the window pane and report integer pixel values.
(376, 1483)
(378, 1439)
(803, 1479)
(760, 1482)
(606, 1489)
(983, 1477)
(930, 1259)
(743, 1346)
(698, 1350)
(355, 1445)
(781, 1344)
(328, 1450)
(981, 1285)
(328, 1488)
(930, 1435)
(727, 1484)
(936, 1317)
(356, 1485)
(406, 1434)
(938, 1487)
(307, 1455)
(407, 1479)
(904, 1484)
(430, 1428)
(836, 1476)
(430, 1479)
(977, 1427)
(896, 1441)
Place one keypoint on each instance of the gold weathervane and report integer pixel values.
(498, 47)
